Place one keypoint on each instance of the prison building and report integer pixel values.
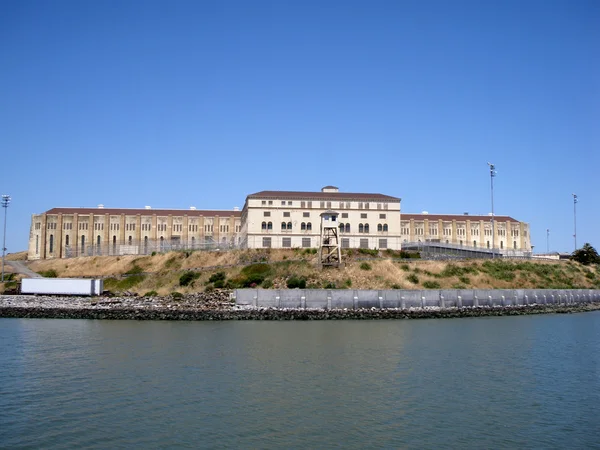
(466, 230)
(289, 219)
(71, 232)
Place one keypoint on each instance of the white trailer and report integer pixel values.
(62, 286)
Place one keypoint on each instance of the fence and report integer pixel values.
(439, 250)
(399, 298)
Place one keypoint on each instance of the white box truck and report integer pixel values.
(62, 286)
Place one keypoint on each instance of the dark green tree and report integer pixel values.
(586, 255)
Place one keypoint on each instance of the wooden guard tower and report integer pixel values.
(330, 252)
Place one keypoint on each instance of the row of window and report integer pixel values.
(326, 204)
(286, 242)
(459, 232)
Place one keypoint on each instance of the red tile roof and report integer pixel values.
(458, 217)
(322, 196)
(146, 212)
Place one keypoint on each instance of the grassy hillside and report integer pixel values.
(187, 272)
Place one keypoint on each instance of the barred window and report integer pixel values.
(363, 215)
(308, 226)
(266, 242)
(347, 228)
(382, 216)
(267, 214)
(286, 214)
(344, 215)
(366, 227)
(364, 243)
(382, 243)
(345, 243)
(286, 242)
(385, 227)
(305, 214)
(305, 242)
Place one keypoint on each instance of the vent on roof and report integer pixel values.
(425, 212)
(100, 206)
(193, 208)
(236, 208)
(330, 189)
(465, 213)
(147, 207)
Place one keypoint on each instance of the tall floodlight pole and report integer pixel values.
(492, 175)
(5, 202)
(547, 240)
(575, 219)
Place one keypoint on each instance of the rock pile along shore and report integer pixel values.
(217, 305)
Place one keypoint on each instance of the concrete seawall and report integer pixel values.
(410, 299)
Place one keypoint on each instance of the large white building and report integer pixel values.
(269, 219)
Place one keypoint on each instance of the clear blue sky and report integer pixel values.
(179, 103)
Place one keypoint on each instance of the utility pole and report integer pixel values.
(547, 240)
(5, 202)
(575, 219)
(492, 175)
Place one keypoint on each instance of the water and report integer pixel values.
(508, 382)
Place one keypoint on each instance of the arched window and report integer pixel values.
(146, 244)
(67, 240)
(289, 226)
(309, 226)
(361, 228)
(130, 240)
(515, 245)
(114, 244)
(193, 242)
(263, 226)
(379, 227)
(303, 226)
(82, 244)
(341, 227)
(474, 243)
(270, 226)
(162, 243)
(488, 244)
(385, 227)
(98, 240)
(366, 227)
(283, 226)
(347, 228)
(501, 244)
(51, 243)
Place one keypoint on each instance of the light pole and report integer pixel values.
(548, 240)
(575, 219)
(5, 202)
(492, 175)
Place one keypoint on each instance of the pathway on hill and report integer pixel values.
(21, 268)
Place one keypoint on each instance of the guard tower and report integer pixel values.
(330, 252)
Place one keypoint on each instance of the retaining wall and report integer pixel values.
(403, 299)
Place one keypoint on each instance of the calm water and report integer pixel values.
(510, 382)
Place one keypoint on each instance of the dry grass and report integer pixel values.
(165, 270)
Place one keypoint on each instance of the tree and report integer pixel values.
(586, 255)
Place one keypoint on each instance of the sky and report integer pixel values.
(200, 103)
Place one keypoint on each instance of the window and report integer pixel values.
(67, 240)
(360, 205)
(286, 242)
(366, 227)
(382, 216)
(270, 226)
(364, 243)
(51, 243)
(309, 205)
(347, 205)
(363, 215)
(263, 226)
(289, 225)
(378, 205)
(345, 243)
(347, 228)
(146, 244)
(98, 240)
(286, 214)
(328, 205)
(474, 243)
(130, 240)
(342, 228)
(114, 244)
(308, 226)
(382, 243)
(267, 214)
(305, 214)
(303, 226)
(361, 228)
(379, 227)
(283, 226)
(37, 244)
(289, 203)
(82, 244)
(501, 244)
(385, 227)
(366, 205)
(515, 245)
(271, 202)
(305, 242)
(264, 202)
(344, 215)
(323, 205)
(266, 242)
(282, 202)
(488, 244)
(302, 204)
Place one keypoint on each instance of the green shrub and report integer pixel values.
(458, 286)
(405, 267)
(396, 286)
(188, 277)
(464, 280)
(209, 288)
(348, 282)
(219, 276)
(177, 295)
(431, 285)
(331, 285)
(295, 282)
(153, 254)
(368, 251)
(267, 284)
(219, 284)
(365, 266)
(151, 294)
(129, 282)
(49, 273)
(413, 278)
(135, 270)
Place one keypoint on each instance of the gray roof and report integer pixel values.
(346, 196)
(146, 212)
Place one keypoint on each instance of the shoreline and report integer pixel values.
(218, 307)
